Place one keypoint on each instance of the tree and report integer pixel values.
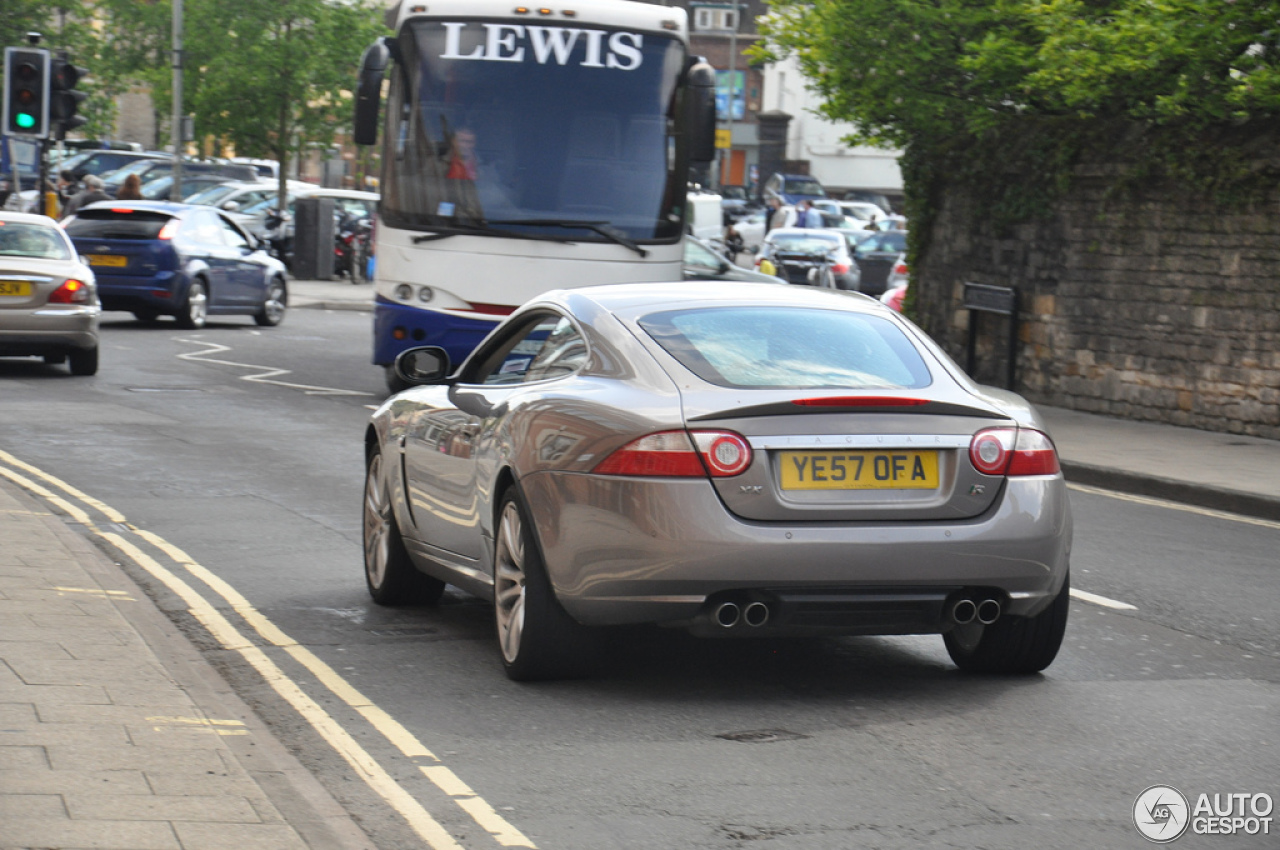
(277, 76)
(903, 69)
(979, 88)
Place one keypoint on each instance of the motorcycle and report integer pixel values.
(279, 244)
(351, 247)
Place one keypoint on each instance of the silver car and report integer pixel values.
(735, 459)
(48, 298)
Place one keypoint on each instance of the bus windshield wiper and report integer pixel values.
(604, 228)
(461, 228)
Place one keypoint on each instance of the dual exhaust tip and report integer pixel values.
(730, 614)
(985, 611)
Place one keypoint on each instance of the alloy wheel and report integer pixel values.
(509, 583)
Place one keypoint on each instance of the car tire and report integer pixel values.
(84, 361)
(195, 310)
(145, 315)
(389, 574)
(274, 304)
(1014, 645)
(537, 638)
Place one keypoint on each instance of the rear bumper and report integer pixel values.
(663, 551)
(161, 293)
(50, 331)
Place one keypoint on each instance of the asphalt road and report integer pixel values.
(242, 447)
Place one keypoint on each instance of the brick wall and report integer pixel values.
(1162, 306)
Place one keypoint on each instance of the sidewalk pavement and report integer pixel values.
(116, 734)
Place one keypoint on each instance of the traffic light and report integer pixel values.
(26, 92)
(64, 100)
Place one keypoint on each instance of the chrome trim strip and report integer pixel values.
(28, 278)
(863, 441)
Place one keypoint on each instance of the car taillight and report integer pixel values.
(680, 454)
(900, 268)
(169, 229)
(840, 268)
(71, 292)
(1013, 451)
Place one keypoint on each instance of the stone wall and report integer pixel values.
(1162, 306)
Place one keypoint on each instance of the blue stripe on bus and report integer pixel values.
(455, 334)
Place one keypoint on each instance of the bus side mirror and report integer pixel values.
(700, 118)
(373, 66)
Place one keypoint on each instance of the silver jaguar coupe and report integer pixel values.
(734, 459)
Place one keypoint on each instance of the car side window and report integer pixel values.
(550, 347)
(204, 229)
(232, 236)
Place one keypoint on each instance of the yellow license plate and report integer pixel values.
(15, 287)
(860, 470)
(108, 260)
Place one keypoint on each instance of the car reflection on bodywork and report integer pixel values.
(733, 459)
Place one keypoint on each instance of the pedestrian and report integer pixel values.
(67, 187)
(733, 243)
(812, 216)
(776, 217)
(131, 190)
(91, 193)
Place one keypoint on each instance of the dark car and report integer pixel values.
(876, 255)
(791, 189)
(99, 162)
(736, 202)
(154, 258)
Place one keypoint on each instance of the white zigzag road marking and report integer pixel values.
(264, 375)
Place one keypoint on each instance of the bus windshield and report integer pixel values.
(517, 129)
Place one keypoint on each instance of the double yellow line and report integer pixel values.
(231, 639)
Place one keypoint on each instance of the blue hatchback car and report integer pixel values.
(154, 258)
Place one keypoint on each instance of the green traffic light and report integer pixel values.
(24, 120)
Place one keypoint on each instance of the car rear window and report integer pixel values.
(792, 347)
(116, 224)
(20, 239)
(883, 243)
(805, 243)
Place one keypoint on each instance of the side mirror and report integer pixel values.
(427, 364)
(700, 115)
(231, 206)
(373, 66)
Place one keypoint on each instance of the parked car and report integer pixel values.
(246, 202)
(876, 254)
(703, 262)
(148, 170)
(811, 257)
(161, 188)
(727, 458)
(154, 258)
(48, 297)
(877, 198)
(736, 202)
(99, 162)
(791, 189)
(861, 211)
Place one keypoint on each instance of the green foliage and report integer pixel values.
(1012, 91)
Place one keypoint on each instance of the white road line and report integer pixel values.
(1085, 596)
(263, 375)
(230, 638)
(1175, 506)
